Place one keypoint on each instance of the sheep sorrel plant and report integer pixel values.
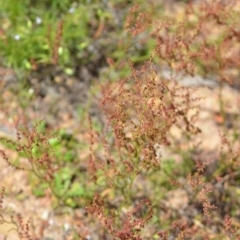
(34, 146)
(49, 165)
(140, 110)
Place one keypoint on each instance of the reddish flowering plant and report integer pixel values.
(140, 111)
(130, 226)
(28, 143)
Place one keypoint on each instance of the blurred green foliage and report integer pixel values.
(64, 32)
(31, 31)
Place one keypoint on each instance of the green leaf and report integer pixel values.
(69, 156)
(70, 202)
(76, 190)
(39, 191)
(53, 142)
(62, 180)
